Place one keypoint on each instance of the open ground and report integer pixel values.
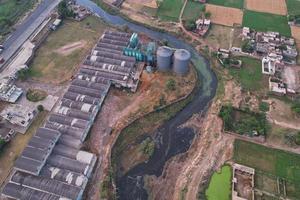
(60, 55)
(268, 6)
(225, 15)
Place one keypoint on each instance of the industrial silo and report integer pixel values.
(181, 61)
(164, 58)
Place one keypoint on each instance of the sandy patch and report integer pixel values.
(269, 6)
(69, 48)
(225, 15)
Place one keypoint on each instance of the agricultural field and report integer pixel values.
(220, 185)
(265, 22)
(224, 15)
(193, 10)
(250, 76)
(228, 3)
(271, 165)
(267, 6)
(293, 7)
(169, 10)
(11, 11)
(59, 56)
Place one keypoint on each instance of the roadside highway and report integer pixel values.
(24, 30)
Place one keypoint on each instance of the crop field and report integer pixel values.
(11, 11)
(193, 10)
(271, 165)
(225, 15)
(228, 3)
(293, 7)
(62, 52)
(267, 6)
(266, 22)
(169, 10)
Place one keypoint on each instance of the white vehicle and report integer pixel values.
(1, 48)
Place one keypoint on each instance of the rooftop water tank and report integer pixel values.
(182, 59)
(164, 58)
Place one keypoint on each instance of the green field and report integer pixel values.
(193, 10)
(169, 10)
(228, 3)
(270, 165)
(10, 11)
(249, 76)
(266, 22)
(293, 7)
(220, 185)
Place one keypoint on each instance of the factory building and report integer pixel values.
(53, 166)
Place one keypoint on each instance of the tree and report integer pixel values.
(40, 108)
(64, 11)
(171, 85)
(189, 25)
(207, 15)
(247, 47)
(296, 108)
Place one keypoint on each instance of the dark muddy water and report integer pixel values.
(171, 139)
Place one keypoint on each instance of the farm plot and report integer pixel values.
(296, 33)
(293, 7)
(271, 165)
(193, 10)
(266, 22)
(224, 15)
(169, 10)
(268, 6)
(228, 3)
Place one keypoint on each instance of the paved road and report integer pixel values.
(27, 28)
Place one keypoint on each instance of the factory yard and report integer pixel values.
(225, 15)
(269, 6)
(59, 56)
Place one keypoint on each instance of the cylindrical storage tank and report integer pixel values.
(164, 58)
(182, 59)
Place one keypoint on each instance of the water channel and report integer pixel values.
(173, 140)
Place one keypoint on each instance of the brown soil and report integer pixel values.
(225, 15)
(296, 33)
(148, 3)
(69, 48)
(269, 6)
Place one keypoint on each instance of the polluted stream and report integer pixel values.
(170, 138)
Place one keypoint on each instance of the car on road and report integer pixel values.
(2, 60)
(1, 48)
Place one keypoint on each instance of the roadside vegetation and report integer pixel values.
(244, 122)
(271, 166)
(265, 22)
(228, 3)
(220, 185)
(10, 12)
(35, 95)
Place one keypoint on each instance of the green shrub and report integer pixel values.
(35, 95)
(264, 107)
(171, 84)
(296, 108)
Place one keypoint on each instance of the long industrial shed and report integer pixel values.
(53, 166)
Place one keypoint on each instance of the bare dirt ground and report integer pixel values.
(225, 15)
(69, 48)
(281, 114)
(148, 3)
(296, 33)
(269, 6)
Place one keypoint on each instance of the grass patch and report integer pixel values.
(220, 185)
(11, 11)
(249, 76)
(52, 66)
(147, 147)
(272, 161)
(293, 7)
(266, 22)
(228, 3)
(243, 122)
(193, 10)
(169, 10)
(264, 106)
(36, 95)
